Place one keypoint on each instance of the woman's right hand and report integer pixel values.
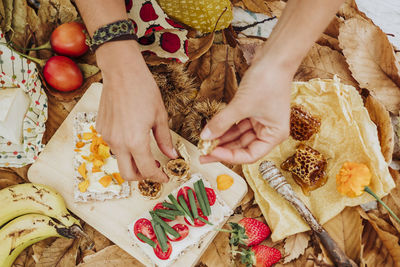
(130, 107)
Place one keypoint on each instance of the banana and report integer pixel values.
(28, 198)
(27, 230)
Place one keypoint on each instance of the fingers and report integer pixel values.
(163, 138)
(127, 167)
(250, 154)
(221, 122)
(145, 161)
(235, 131)
(243, 141)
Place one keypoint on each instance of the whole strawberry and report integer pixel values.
(249, 232)
(260, 256)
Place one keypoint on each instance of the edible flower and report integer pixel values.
(353, 180)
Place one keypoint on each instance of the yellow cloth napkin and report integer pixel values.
(346, 134)
(201, 15)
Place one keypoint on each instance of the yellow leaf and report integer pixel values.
(295, 246)
(371, 60)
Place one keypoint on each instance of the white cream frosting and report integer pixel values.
(219, 211)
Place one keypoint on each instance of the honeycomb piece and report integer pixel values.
(308, 167)
(302, 124)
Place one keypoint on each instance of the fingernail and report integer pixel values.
(175, 153)
(205, 134)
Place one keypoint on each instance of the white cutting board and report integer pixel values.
(54, 167)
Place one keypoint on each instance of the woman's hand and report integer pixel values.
(130, 107)
(257, 118)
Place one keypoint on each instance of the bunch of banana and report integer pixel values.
(32, 212)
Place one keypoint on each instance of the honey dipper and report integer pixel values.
(277, 181)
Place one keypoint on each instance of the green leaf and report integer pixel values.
(88, 70)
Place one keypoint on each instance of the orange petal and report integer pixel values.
(118, 178)
(82, 170)
(83, 185)
(80, 144)
(105, 180)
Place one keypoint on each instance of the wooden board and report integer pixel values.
(54, 167)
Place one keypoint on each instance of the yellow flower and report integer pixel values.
(352, 179)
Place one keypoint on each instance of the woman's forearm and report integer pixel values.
(97, 13)
(300, 25)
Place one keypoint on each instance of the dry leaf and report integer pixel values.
(100, 241)
(40, 246)
(373, 252)
(326, 40)
(20, 35)
(371, 60)
(199, 46)
(25, 259)
(9, 177)
(2, 15)
(385, 232)
(305, 260)
(346, 229)
(393, 199)
(218, 252)
(69, 258)
(349, 10)
(249, 47)
(111, 256)
(295, 246)
(8, 9)
(88, 70)
(253, 212)
(381, 118)
(52, 255)
(333, 28)
(324, 62)
(258, 6)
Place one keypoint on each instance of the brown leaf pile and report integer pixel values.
(351, 47)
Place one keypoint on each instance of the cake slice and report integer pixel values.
(191, 234)
(96, 172)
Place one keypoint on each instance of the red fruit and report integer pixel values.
(211, 196)
(62, 74)
(184, 192)
(170, 42)
(261, 256)
(147, 12)
(249, 232)
(69, 39)
(182, 229)
(197, 222)
(144, 226)
(128, 5)
(159, 206)
(159, 253)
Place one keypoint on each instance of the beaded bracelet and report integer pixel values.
(115, 31)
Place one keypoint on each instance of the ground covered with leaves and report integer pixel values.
(352, 47)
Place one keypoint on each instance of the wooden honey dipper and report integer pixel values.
(277, 181)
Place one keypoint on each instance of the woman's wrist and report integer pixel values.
(114, 56)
